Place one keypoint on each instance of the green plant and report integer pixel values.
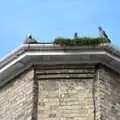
(79, 41)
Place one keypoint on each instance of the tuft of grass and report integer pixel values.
(80, 41)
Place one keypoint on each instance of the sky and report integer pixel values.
(48, 19)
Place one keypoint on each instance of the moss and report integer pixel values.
(79, 41)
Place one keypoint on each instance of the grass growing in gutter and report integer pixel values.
(80, 41)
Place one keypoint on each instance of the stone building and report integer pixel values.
(49, 82)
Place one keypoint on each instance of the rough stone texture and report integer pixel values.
(65, 93)
(16, 98)
(107, 94)
(62, 92)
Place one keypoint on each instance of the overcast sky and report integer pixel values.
(48, 19)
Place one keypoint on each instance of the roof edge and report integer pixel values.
(29, 54)
(45, 47)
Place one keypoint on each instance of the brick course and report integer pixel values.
(62, 92)
(65, 93)
(108, 92)
(16, 98)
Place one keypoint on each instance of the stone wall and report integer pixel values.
(62, 92)
(66, 92)
(108, 94)
(16, 98)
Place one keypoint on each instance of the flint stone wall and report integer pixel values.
(65, 92)
(16, 98)
(62, 92)
(108, 94)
